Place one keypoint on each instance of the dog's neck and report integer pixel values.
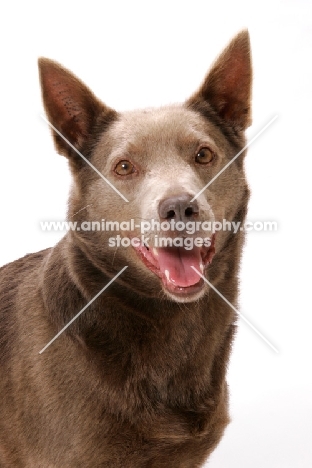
(131, 339)
(69, 274)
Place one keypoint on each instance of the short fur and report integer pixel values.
(139, 379)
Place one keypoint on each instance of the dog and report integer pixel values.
(137, 378)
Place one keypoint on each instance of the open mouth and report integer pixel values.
(173, 265)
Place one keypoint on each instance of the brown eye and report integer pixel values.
(204, 156)
(124, 168)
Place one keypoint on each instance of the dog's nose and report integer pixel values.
(179, 208)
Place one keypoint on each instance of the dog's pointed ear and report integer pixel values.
(227, 87)
(70, 106)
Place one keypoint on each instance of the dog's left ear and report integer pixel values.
(70, 107)
(227, 87)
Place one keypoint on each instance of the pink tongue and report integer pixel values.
(177, 262)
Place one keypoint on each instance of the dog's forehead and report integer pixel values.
(165, 125)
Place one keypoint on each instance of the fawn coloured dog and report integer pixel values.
(139, 378)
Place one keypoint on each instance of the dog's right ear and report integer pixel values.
(227, 87)
(70, 107)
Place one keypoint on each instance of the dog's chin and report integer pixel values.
(188, 294)
(179, 270)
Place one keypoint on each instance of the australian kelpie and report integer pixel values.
(137, 378)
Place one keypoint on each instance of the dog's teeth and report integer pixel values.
(155, 252)
(167, 275)
(201, 268)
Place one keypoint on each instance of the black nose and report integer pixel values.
(179, 207)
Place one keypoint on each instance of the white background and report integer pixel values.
(137, 54)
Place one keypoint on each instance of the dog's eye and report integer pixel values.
(204, 156)
(124, 168)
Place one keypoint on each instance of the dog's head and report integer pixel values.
(156, 164)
